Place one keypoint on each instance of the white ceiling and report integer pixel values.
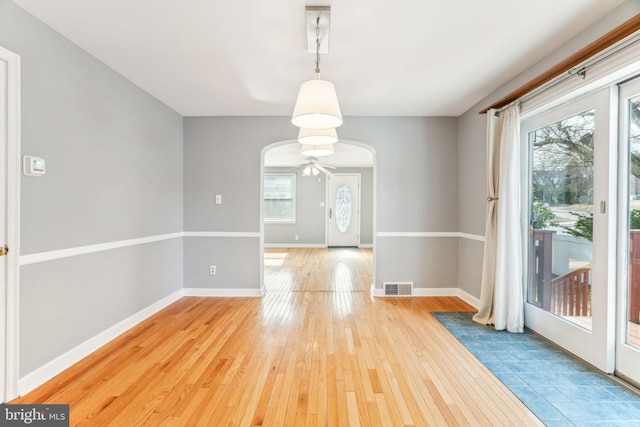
(386, 57)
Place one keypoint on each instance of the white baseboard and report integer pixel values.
(424, 292)
(413, 234)
(468, 298)
(212, 292)
(60, 363)
(295, 245)
(434, 292)
(365, 245)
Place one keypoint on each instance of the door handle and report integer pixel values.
(4, 251)
(330, 213)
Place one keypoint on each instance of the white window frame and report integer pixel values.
(293, 197)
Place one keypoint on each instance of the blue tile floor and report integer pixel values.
(558, 388)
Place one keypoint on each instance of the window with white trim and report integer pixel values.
(280, 197)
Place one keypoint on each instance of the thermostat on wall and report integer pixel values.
(33, 166)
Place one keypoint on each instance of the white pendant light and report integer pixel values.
(317, 150)
(317, 104)
(317, 136)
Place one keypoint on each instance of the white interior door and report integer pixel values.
(343, 213)
(3, 223)
(571, 257)
(9, 220)
(628, 318)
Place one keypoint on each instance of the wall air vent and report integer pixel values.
(398, 289)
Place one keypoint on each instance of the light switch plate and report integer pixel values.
(33, 166)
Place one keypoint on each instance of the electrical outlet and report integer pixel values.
(212, 270)
(297, 237)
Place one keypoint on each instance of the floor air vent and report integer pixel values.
(398, 289)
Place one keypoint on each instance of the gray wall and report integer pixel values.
(310, 216)
(472, 199)
(417, 181)
(428, 262)
(114, 172)
(215, 149)
(66, 302)
(471, 148)
(237, 261)
(310, 223)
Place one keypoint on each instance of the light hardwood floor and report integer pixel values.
(318, 270)
(316, 350)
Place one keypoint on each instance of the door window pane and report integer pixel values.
(561, 217)
(343, 208)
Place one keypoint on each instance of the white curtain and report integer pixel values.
(485, 313)
(501, 300)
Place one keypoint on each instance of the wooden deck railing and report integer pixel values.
(567, 295)
(570, 293)
(634, 277)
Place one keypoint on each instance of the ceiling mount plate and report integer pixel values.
(312, 13)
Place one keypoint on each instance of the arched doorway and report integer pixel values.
(295, 216)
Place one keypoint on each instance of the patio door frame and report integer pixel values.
(627, 356)
(595, 346)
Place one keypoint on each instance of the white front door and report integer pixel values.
(343, 220)
(628, 316)
(571, 256)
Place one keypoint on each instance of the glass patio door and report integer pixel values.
(569, 260)
(628, 328)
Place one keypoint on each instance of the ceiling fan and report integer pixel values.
(312, 167)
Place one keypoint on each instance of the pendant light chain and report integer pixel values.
(318, 48)
(317, 111)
